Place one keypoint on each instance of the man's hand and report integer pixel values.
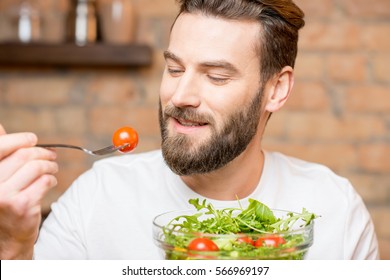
(26, 175)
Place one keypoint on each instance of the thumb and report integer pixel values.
(2, 130)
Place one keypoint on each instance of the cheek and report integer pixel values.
(220, 112)
(228, 101)
(227, 105)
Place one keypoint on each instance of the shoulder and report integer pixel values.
(296, 164)
(344, 226)
(314, 183)
(302, 169)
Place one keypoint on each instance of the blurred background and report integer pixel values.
(338, 115)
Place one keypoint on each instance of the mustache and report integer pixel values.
(189, 114)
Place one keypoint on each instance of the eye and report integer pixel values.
(175, 71)
(218, 80)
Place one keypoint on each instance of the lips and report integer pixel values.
(189, 123)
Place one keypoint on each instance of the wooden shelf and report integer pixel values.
(72, 55)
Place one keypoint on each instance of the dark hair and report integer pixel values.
(280, 21)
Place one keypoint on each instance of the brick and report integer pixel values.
(70, 120)
(339, 157)
(149, 80)
(38, 91)
(374, 99)
(308, 96)
(154, 31)
(334, 36)
(375, 37)
(326, 127)
(2, 92)
(53, 29)
(156, 8)
(309, 66)
(45, 6)
(347, 68)
(23, 119)
(59, 5)
(276, 125)
(105, 119)
(111, 89)
(8, 31)
(374, 189)
(7, 4)
(374, 157)
(151, 88)
(316, 9)
(379, 216)
(378, 9)
(146, 119)
(384, 248)
(381, 67)
(156, 70)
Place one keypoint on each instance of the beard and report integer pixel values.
(184, 158)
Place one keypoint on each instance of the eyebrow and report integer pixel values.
(223, 64)
(170, 55)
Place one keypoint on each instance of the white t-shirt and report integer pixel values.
(108, 211)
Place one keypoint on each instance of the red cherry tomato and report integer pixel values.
(270, 241)
(202, 244)
(125, 135)
(246, 239)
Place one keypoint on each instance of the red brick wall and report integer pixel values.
(338, 114)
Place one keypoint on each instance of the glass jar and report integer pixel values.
(117, 21)
(82, 23)
(29, 28)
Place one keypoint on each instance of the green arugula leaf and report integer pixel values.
(286, 224)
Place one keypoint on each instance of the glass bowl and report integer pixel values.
(174, 243)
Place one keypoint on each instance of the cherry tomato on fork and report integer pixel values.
(125, 135)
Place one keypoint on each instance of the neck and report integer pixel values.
(238, 179)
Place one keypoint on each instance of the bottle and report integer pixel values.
(28, 23)
(117, 20)
(82, 22)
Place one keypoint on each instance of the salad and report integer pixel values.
(256, 232)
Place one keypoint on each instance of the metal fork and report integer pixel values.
(100, 152)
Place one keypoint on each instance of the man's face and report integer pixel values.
(210, 93)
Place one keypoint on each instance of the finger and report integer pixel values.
(27, 174)
(39, 188)
(2, 130)
(9, 143)
(13, 162)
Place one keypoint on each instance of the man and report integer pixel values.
(229, 66)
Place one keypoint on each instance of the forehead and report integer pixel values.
(197, 36)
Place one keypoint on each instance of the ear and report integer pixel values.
(279, 89)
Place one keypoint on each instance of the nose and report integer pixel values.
(186, 93)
